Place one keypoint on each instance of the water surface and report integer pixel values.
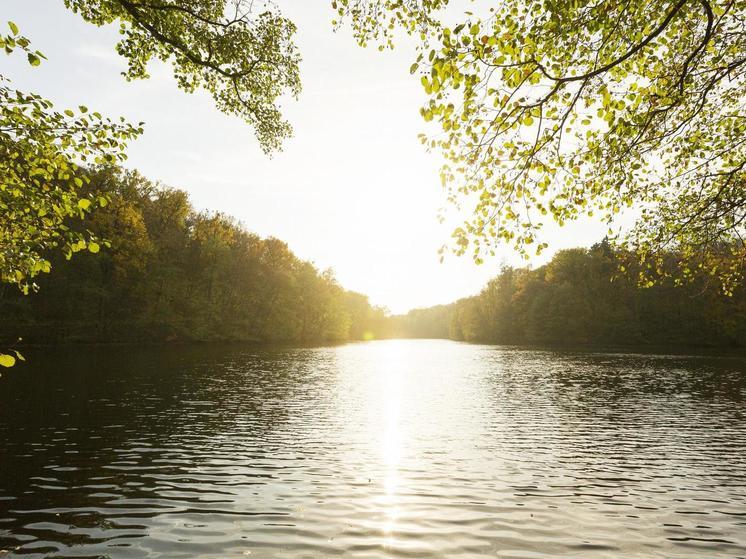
(382, 449)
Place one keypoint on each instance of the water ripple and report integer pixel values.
(385, 449)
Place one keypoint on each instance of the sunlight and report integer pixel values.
(387, 278)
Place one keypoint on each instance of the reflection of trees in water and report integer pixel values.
(97, 440)
(618, 429)
(557, 395)
(574, 379)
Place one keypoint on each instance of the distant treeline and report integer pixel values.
(583, 297)
(171, 273)
(175, 274)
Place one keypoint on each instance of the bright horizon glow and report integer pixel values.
(353, 189)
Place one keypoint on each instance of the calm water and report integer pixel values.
(384, 449)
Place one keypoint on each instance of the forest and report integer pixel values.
(587, 296)
(171, 273)
(531, 118)
(156, 270)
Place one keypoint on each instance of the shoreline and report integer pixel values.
(607, 349)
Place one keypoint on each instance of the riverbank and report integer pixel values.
(609, 349)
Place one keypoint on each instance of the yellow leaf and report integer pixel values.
(7, 360)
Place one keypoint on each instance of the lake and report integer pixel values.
(418, 448)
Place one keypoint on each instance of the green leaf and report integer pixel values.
(13, 27)
(84, 203)
(93, 247)
(33, 59)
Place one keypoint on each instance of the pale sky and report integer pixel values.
(353, 189)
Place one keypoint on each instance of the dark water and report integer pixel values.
(384, 449)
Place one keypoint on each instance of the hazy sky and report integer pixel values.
(353, 189)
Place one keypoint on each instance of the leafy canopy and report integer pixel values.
(555, 109)
(240, 51)
(42, 152)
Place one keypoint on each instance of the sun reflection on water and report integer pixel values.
(392, 370)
